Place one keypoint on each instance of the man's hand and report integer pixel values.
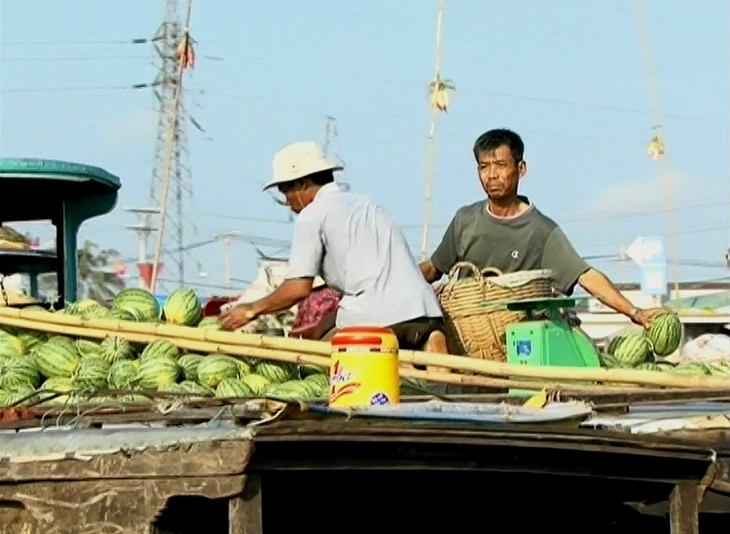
(645, 317)
(237, 317)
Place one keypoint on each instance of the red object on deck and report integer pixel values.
(213, 306)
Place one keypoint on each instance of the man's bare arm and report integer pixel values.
(599, 286)
(289, 293)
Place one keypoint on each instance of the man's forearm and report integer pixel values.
(283, 297)
(599, 286)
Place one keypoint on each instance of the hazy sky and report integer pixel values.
(568, 75)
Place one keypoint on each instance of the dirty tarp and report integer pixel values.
(469, 411)
(649, 418)
(55, 443)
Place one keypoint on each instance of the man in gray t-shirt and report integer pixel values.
(508, 232)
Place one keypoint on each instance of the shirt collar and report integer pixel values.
(327, 188)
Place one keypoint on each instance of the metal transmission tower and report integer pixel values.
(171, 184)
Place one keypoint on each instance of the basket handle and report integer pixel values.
(469, 265)
(492, 270)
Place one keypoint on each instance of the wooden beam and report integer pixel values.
(684, 508)
(245, 512)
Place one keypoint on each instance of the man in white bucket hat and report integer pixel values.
(350, 242)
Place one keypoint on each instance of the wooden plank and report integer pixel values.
(684, 508)
(121, 506)
(202, 459)
(245, 512)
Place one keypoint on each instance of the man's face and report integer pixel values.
(296, 197)
(499, 173)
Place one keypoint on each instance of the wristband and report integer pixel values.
(634, 312)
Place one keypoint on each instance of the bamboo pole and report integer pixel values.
(245, 351)
(273, 345)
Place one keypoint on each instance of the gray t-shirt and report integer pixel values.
(525, 242)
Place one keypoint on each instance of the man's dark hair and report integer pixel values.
(493, 139)
(322, 177)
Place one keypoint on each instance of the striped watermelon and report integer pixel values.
(11, 341)
(58, 384)
(138, 302)
(93, 372)
(183, 307)
(155, 373)
(210, 323)
(57, 357)
(694, 368)
(649, 366)
(306, 370)
(189, 363)
(17, 395)
(196, 389)
(244, 367)
(160, 349)
(31, 339)
(213, 369)
(276, 372)
(632, 349)
(320, 381)
(256, 382)
(665, 333)
(8, 351)
(233, 388)
(122, 373)
(115, 348)
(87, 347)
(18, 371)
(125, 315)
(172, 387)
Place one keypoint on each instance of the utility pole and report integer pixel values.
(657, 150)
(144, 230)
(439, 101)
(330, 137)
(171, 175)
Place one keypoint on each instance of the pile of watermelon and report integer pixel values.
(32, 363)
(647, 350)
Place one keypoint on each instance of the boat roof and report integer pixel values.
(51, 169)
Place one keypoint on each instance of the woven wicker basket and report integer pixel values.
(479, 331)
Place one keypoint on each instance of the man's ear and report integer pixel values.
(522, 168)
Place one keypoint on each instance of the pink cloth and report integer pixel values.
(316, 306)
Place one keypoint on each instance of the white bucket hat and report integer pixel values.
(297, 161)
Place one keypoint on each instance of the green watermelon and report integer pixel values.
(155, 373)
(57, 357)
(92, 373)
(87, 347)
(632, 349)
(210, 323)
(18, 371)
(160, 349)
(58, 384)
(233, 387)
(115, 348)
(183, 307)
(276, 372)
(213, 369)
(189, 363)
(665, 333)
(122, 373)
(256, 382)
(138, 302)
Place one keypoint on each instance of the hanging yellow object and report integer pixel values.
(656, 148)
(439, 90)
(538, 400)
